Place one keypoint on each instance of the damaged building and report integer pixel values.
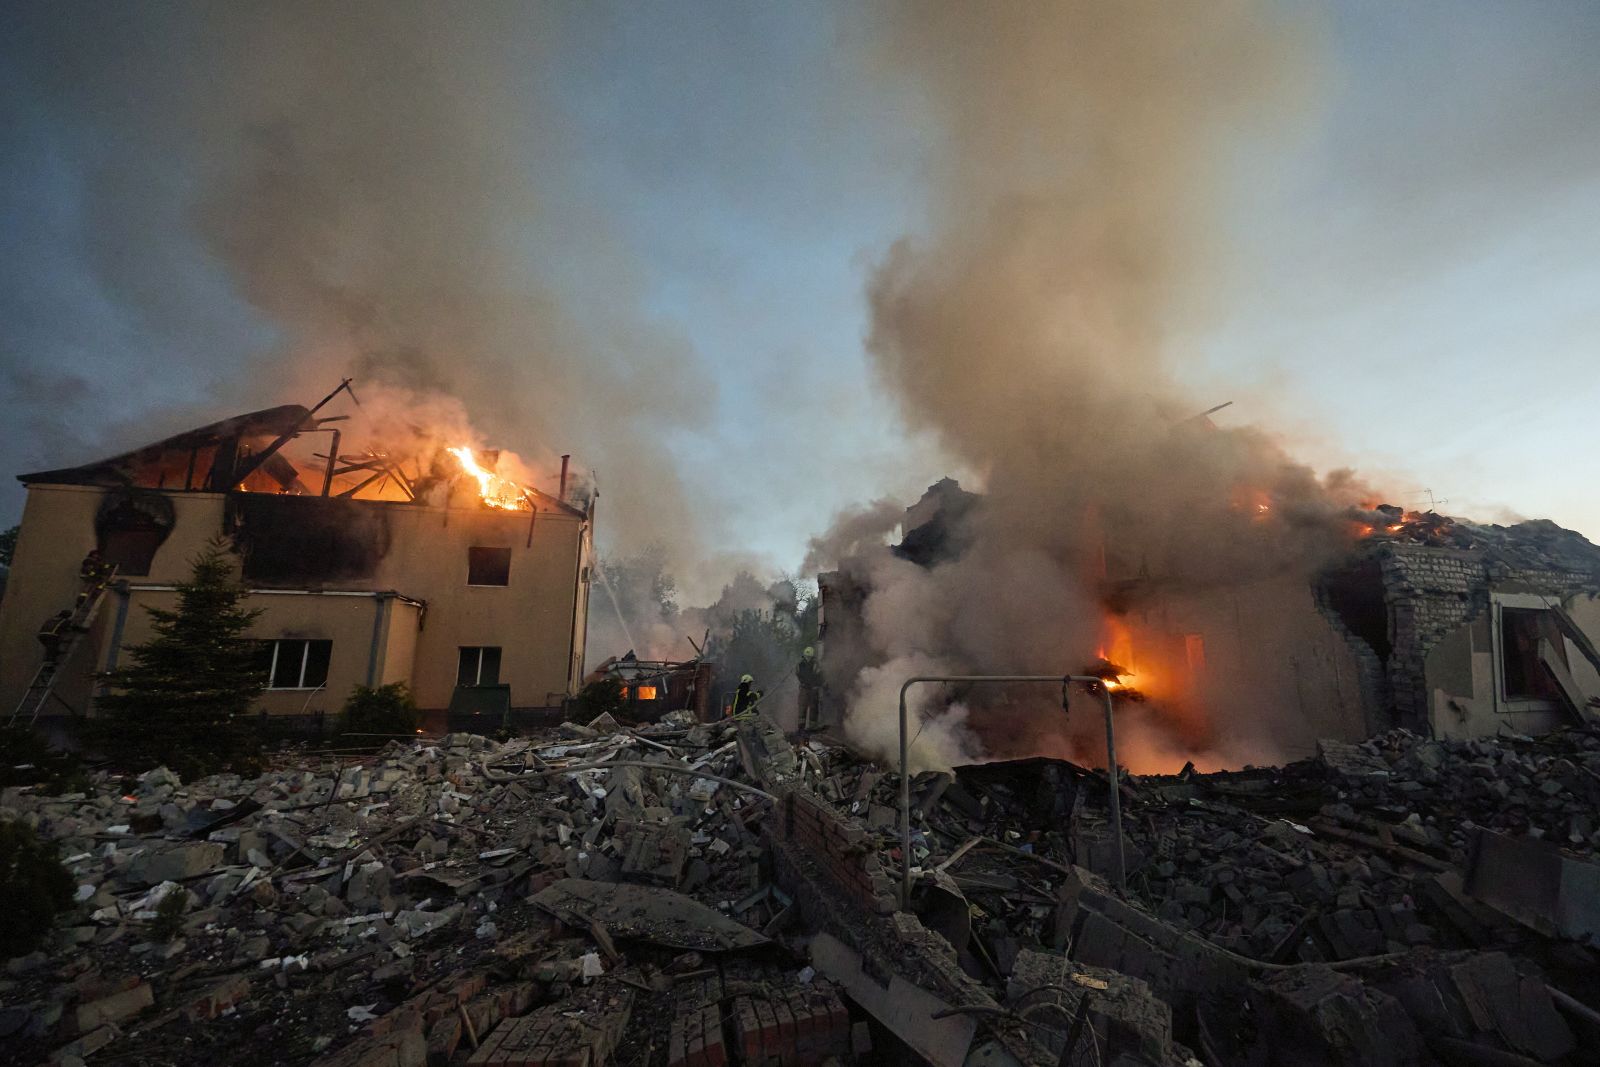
(367, 569)
(1415, 620)
(1467, 630)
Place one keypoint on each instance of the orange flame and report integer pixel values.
(495, 491)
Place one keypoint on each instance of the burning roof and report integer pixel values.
(207, 458)
(1537, 544)
(278, 451)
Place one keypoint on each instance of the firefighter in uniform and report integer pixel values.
(746, 696)
(53, 633)
(809, 675)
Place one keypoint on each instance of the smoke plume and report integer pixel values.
(1033, 327)
(375, 180)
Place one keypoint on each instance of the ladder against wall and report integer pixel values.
(41, 688)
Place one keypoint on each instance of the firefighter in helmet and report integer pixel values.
(746, 696)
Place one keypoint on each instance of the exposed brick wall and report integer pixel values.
(1430, 592)
(841, 847)
(1372, 676)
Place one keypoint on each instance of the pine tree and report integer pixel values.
(185, 699)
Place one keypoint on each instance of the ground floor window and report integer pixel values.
(478, 665)
(292, 663)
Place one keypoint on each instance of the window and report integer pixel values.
(295, 664)
(1524, 632)
(130, 527)
(488, 566)
(478, 665)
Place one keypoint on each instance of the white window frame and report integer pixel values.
(1503, 702)
(477, 674)
(305, 658)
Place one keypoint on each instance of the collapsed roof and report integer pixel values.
(213, 458)
(1536, 544)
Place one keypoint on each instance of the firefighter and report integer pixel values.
(93, 572)
(809, 675)
(53, 633)
(746, 696)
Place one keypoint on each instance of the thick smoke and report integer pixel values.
(1034, 329)
(374, 179)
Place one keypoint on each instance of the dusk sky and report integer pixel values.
(1406, 251)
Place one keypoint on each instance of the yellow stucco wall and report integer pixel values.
(537, 619)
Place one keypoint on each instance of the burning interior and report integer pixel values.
(1398, 618)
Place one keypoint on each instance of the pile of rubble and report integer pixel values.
(687, 893)
(1334, 882)
(1536, 544)
(396, 908)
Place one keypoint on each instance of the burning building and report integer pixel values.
(1392, 619)
(419, 565)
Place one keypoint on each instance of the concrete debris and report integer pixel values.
(716, 893)
(660, 916)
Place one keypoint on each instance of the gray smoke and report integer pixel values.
(368, 175)
(1032, 326)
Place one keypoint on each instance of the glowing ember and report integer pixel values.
(495, 491)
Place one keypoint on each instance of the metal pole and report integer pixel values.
(905, 763)
(1116, 791)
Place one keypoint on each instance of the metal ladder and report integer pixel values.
(44, 679)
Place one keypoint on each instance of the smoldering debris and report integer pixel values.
(714, 892)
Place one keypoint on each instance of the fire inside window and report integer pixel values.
(640, 692)
(295, 664)
(478, 665)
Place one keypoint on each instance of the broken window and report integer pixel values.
(488, 566)
(1356, 595)
(478, 665)
(1523, 632)
(129, 527)
(296, 664)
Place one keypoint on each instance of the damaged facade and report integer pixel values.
(1437, 625)
(1465, 630)
(364, 572)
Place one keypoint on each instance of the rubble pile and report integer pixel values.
(396, 908)
(688, 893)
(1537, 544)
(1361, 860)
(1547, 788)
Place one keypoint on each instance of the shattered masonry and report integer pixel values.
(461, 901)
